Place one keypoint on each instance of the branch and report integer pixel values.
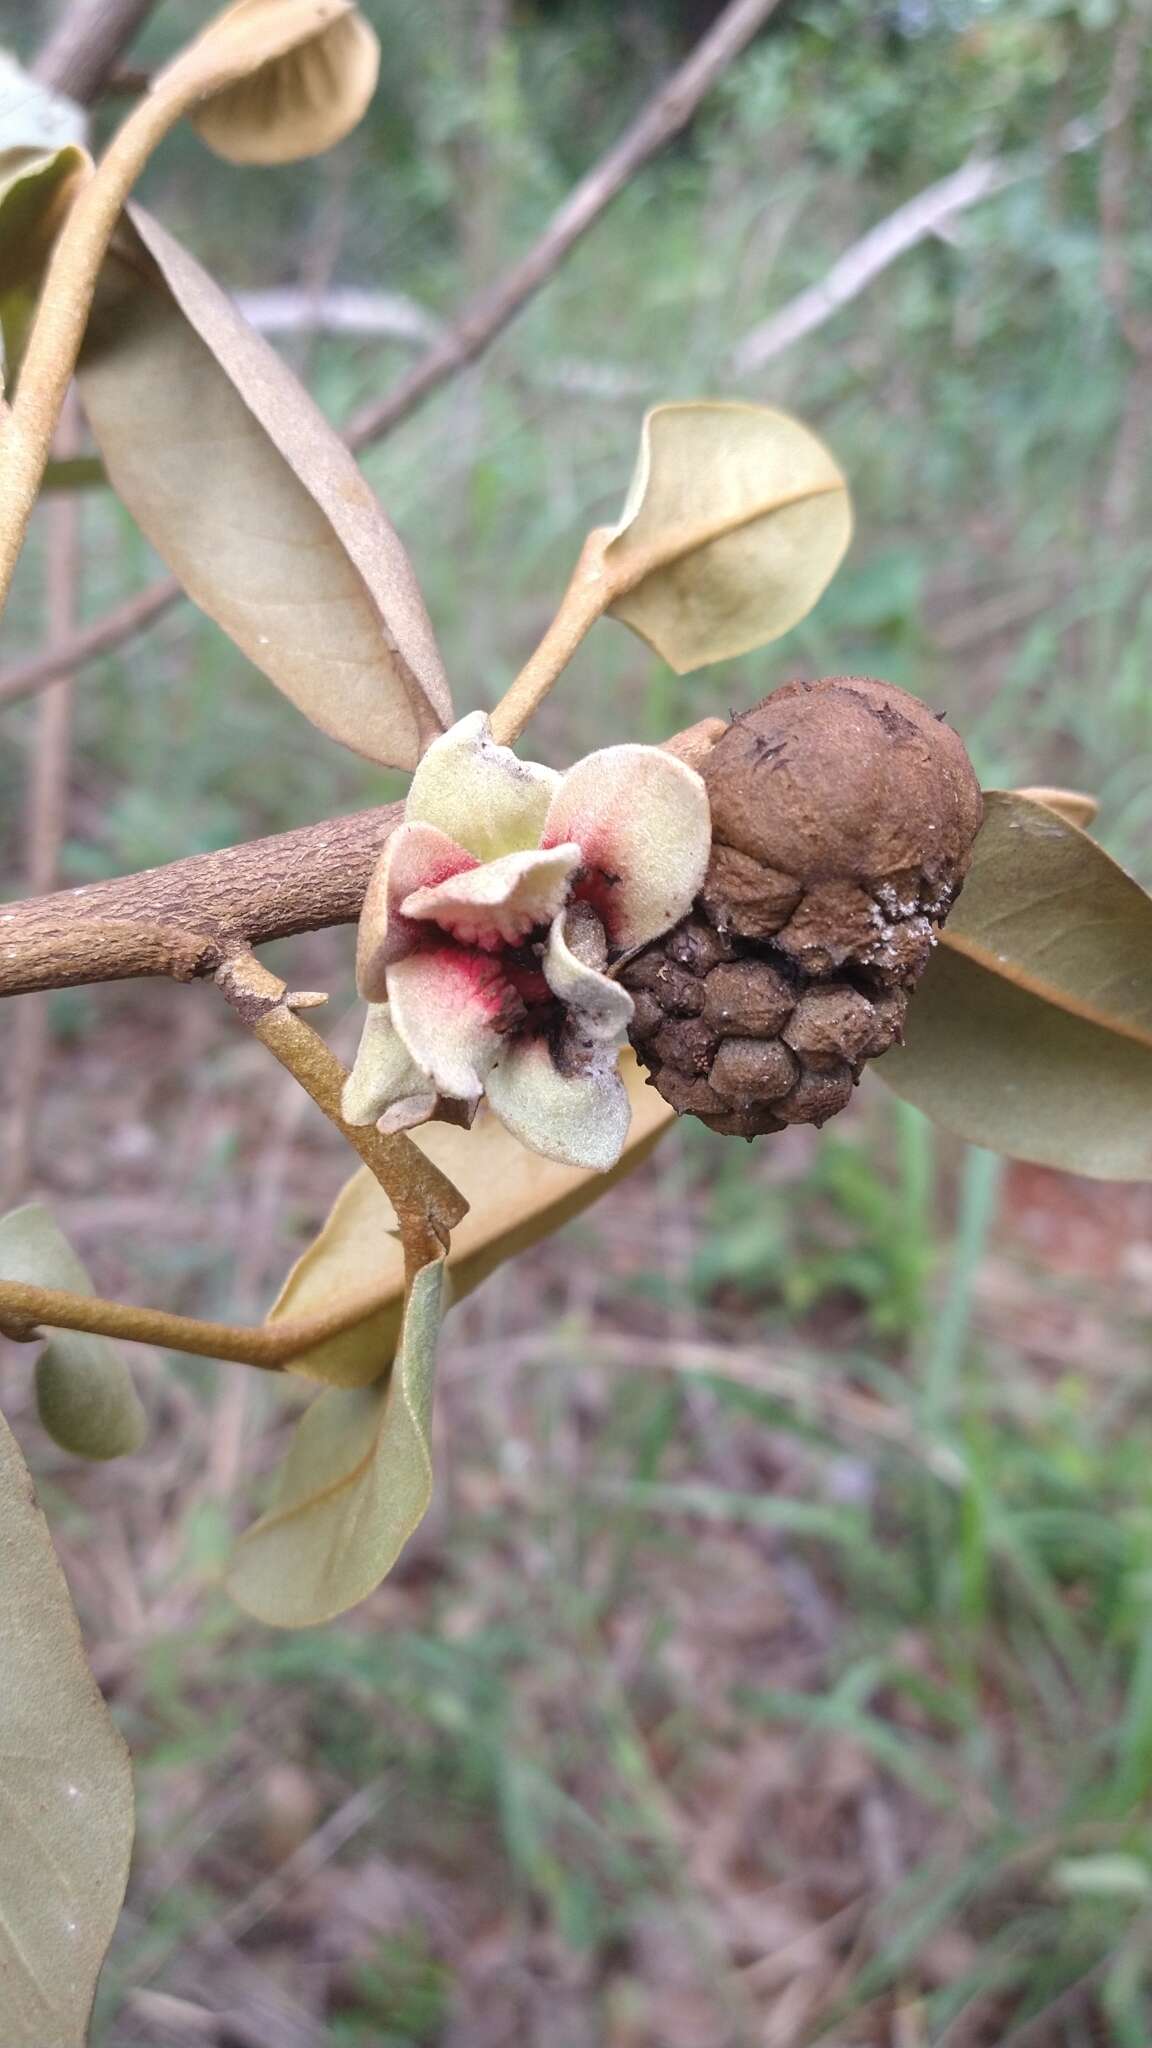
(189, 919)
(82, 51)
(184, 920)
(492, 310)
(24, 678)
(482, 319)
(892, 237)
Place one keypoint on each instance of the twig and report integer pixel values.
(485, 316)
(492, 310)
(82, 51)
(183, 920)
(892, 237)
(427, 1206)
(24, 678)
(46, 814)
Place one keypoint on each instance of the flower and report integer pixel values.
(488, 926)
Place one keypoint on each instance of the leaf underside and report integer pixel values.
(65, 1789)
(1031, 1031)
(254, 502)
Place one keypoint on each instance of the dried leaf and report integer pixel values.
(355, 1484)
(1073, 804)
(517, 1198)
(1031, 1031)
(252, 499)
(65, 1789)
(84, 1390)
(299, 105)
(736, 520)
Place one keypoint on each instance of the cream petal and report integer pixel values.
(642, 821)
(451, 1008)
(482, 795)
(598, 1009)
(385, 1077)
(500, 903)
(578, 1118)
(415, 857)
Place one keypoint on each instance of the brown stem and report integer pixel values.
(25, 1311)
(185, 919)
(424, 1198)
(427, 1207)
(585, 600)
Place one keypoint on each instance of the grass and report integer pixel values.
(775, 1665)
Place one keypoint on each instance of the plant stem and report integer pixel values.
(58, 329)
(427, 1205)
(25, 1311)
(586, 599)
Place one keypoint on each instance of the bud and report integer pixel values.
(843, 818)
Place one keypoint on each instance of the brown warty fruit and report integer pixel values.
(843, 817)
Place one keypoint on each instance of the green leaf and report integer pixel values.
(252, 499)
(736, 520)
(303, 103)
(36, 189)
(86, 1397)
(65, 1789)
(356, 1482)
(1031, 1031)
(516, 1197)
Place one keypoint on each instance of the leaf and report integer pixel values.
(356, 1483)
(517, 1198)
(1031, 1031)
(300, 105)
(36, 186)
(1073, 804)
(253, 500)
(736, 520)
(65, 1789)
(87, 1400)
(36, 190)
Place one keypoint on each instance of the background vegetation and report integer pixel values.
(776, 1664)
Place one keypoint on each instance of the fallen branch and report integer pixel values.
(914, 222)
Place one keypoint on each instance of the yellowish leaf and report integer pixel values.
(84, 1390)
(299, 104)
(1074, 804)
(517, 1197)
(1031, 1031)
(244, 488)
(736, 519)
(356, 1483)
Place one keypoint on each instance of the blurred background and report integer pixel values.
(775, 1666)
